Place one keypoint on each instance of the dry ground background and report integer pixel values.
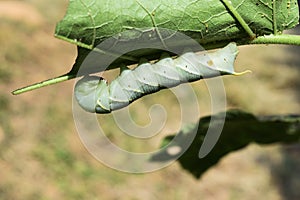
(41, 156)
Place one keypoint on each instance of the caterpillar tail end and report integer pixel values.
(242, 73)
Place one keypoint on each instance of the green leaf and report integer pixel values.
(89, 22)
(240, 129)
(210, 22)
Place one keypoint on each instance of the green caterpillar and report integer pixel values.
(95, 95)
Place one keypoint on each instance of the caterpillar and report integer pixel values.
(94, 94)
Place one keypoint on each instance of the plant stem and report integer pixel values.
(277, 39)
(52, 81)
(239, 18)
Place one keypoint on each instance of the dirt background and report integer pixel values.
(42, 157)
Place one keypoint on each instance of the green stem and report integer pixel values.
(277, 39)
(239, 18)
(52, 81)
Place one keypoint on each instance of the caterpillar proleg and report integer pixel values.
(94, 94)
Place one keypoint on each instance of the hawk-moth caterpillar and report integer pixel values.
(94, 94)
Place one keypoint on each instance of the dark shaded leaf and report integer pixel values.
(240, 129)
